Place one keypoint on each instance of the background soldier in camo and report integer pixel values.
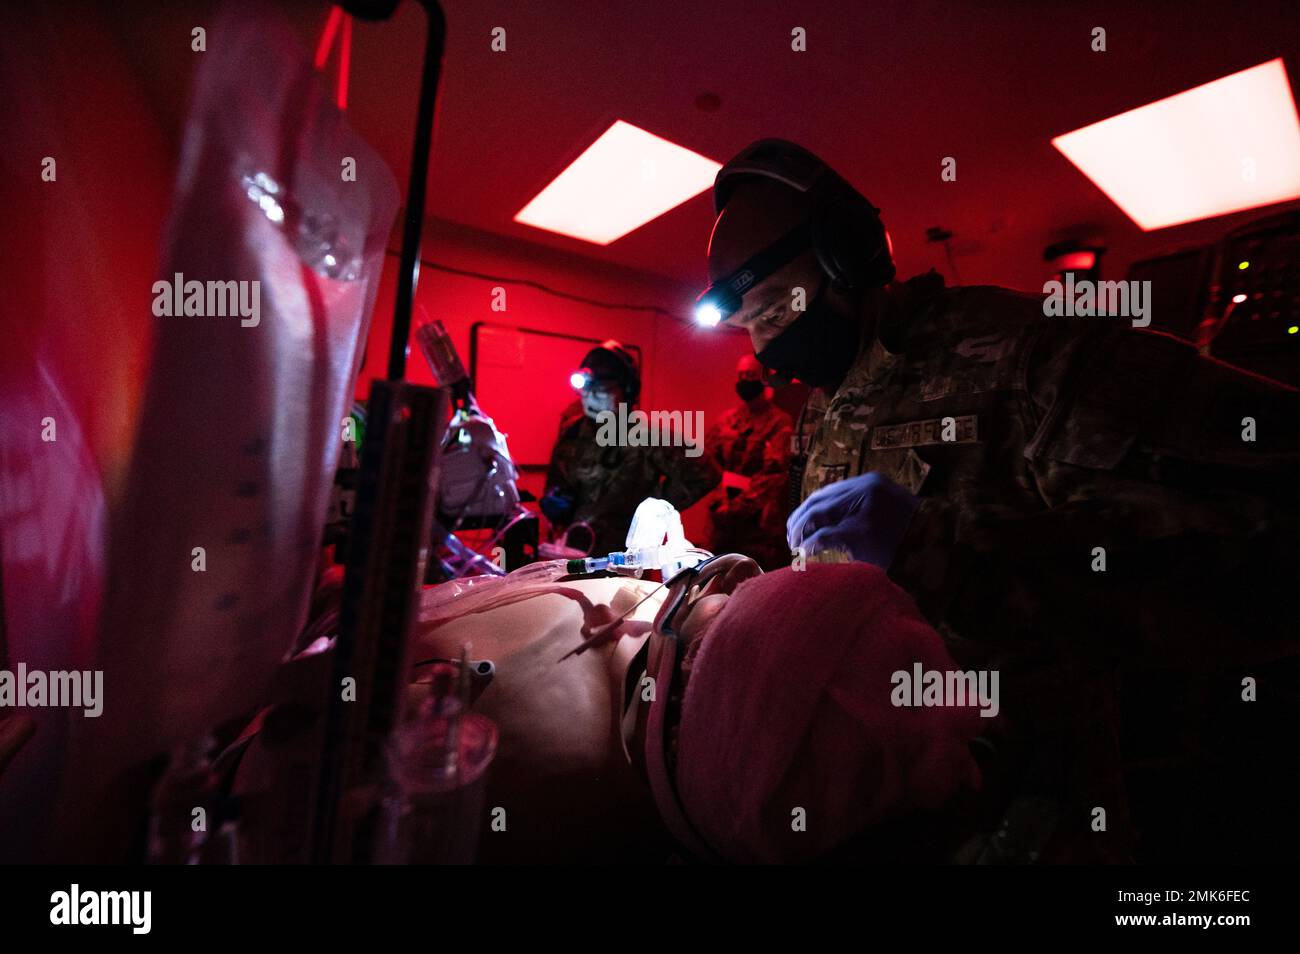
(602, 486)
(751, 443)
(994, 461)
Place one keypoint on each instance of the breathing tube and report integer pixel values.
(655, 541)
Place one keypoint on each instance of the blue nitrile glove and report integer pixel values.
(557, 507)
(865, 516)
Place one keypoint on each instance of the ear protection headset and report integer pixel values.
(847, 234)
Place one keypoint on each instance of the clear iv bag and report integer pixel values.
(214, 546)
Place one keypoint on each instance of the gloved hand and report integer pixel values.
(865, 516)
(557, 507)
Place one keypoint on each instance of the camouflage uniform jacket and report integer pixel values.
(754, 446)
(606, 484)
(1035, 444)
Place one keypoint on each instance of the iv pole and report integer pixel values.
(390, 523)
(409, 269)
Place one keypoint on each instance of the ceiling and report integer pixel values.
(884, 92)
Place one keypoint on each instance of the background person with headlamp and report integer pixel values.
(988, 458)
(602, 486)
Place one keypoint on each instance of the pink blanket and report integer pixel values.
(788, 722)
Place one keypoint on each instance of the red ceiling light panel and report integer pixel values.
(1228, 145)
(624, 179)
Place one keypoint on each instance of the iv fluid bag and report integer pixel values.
(215, 543)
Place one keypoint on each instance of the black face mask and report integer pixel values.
(818, 348)
(748, 390)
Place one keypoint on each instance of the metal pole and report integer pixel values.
(408, 275)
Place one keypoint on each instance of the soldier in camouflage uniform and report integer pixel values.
(1090, 509)
(602, 486)
(751, 443)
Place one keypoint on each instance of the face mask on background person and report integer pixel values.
(748, 389)
(598, 398)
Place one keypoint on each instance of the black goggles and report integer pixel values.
(721, 300)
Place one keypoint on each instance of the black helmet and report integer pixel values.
(847, 234)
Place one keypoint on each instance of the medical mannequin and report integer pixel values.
(568, 791)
